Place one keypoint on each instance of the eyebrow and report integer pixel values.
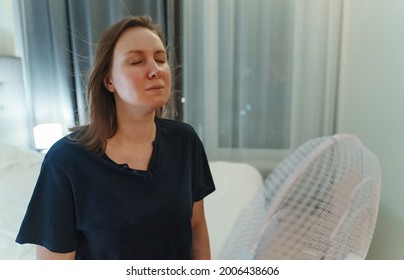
(142, 52)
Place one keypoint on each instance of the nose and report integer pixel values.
(154, 71)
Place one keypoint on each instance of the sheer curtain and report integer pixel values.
(57, 44)
(260, 75)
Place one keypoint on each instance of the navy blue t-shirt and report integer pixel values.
(87, 203)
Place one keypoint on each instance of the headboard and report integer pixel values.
(14, 121)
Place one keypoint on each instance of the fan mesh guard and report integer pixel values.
(319, 203)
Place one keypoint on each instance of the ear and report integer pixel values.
(108, 84)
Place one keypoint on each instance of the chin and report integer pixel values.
(157, 105)
(162, 100)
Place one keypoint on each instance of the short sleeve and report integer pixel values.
(50, 217)
(205, 181)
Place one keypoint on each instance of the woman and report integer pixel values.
(128, 185)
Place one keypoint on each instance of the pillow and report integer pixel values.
(236, 183)
(10, 155)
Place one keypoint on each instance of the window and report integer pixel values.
(259, 76)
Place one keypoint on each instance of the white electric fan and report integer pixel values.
(321, 202)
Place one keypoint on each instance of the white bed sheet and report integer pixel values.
(19, 169)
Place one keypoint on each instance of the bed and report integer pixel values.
(19, 168)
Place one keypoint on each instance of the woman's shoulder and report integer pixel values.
(65, 148)
(175, 126)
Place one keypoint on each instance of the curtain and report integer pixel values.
(255, 78)
(58, 39)
(260, 75)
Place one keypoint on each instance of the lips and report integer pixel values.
(155, 87)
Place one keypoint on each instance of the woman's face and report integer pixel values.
(140, 75)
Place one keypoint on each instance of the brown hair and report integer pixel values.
(101, 103)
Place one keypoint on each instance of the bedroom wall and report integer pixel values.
(371, 101)
(7, 46)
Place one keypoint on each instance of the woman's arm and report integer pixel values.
(44, 254)
(200, 236)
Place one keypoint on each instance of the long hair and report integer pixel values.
(101, 103)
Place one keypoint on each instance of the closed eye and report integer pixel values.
(160, 57)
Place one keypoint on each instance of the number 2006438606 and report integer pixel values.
(250, 270)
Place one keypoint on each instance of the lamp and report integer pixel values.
(45, 135)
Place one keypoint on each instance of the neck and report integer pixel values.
(135, 129)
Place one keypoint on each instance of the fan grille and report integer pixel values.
(319, 203)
